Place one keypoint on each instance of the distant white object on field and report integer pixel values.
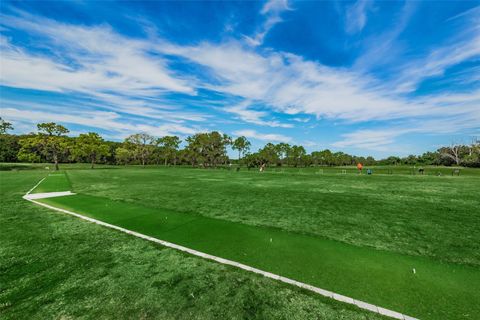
(414, 271)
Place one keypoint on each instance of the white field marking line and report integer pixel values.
(322, 292)
(29, 191)
(48, 195)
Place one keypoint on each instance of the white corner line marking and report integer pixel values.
(322, 292)
(48, 195)
(29, 191)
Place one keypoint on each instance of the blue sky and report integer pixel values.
(365, 77)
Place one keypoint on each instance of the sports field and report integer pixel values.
(357, 235)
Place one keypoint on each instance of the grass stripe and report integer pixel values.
(326, 293)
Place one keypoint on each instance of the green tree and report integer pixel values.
(123, 155)
(268, 154)
(169, 148)
(283, 150)
(324, 157)
(29, 149)
(5, 126)
(50, 142)
(253, 160)
(370, 161)
(295, 155)
(90, 146)
(208, 148)
(9, 145)
(242, 145)
(141, 146)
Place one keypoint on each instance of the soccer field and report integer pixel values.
(359, 236)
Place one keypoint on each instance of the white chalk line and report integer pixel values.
(45, 195)
(29, 191)
(320, 291)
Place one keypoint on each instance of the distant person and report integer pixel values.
(262, 167)
(359, 167)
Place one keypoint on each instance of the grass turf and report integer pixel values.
(53, 182)
(437, 217)
(53, 266)
(437, 290)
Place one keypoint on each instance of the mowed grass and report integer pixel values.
(429, 216)
(53, 182)
(443, 290)
(53, 266)
(386, 279)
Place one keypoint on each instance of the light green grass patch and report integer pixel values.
(54, 182)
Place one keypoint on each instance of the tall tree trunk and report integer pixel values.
(93, 163)
(165, 164)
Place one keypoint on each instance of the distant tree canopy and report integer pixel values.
(242, 145)
(9, 144)
(50, 142)
(5, 126)
(208, 150)
(140, 147)
(90, 147)
(168, 148)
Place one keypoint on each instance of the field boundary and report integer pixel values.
(329, 294)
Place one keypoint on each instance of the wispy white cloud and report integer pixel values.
(465, 47)
(98, 60)
(272, 11)
(132, 75)
(303, 120)
(356, 16)
(253, 116)
(289, 84)
(382, 48)
(268, 137)
(465, 120)
(472, 12)
(108, 121)
(376, 140)
(93, 61)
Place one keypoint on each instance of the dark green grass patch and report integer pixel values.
(57, 267)
(57, 181)
(435, 291)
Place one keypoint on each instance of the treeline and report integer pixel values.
(51, 144)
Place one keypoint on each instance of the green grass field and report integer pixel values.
(356, 235)
(54, 266)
